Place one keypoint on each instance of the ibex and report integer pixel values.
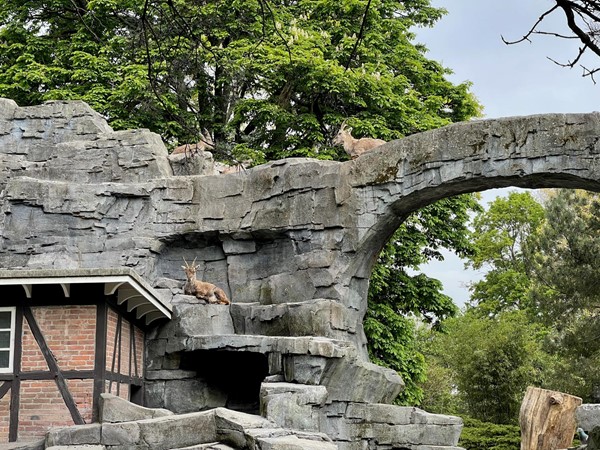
(355, 147)
(201, 289)
(205, 143)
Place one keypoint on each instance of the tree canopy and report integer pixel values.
(499, 236)
(400, 296)
(533, 318)
(565, 274)
(491, 361)
(266, 79)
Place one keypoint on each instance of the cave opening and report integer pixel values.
(235, 376)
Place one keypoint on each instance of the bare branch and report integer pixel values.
(533, 28)
(567, 7)
(548, 33)
(570, 64)
(590, 73)
(360, 35)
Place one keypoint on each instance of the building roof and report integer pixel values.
(133, 293)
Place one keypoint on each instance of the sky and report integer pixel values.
(509, 80)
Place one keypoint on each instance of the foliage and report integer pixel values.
(271, 79)
(477, 435)
(564, 268)
(499, 235)
(534, 317)
(398, 293)
(491, 360)
(564, 254)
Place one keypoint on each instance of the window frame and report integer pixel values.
(12, 329)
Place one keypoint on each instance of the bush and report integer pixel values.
(477, 435)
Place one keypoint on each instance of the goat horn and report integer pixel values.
(194, 262)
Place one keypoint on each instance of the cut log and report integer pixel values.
(547, 419)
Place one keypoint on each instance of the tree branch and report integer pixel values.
(568, 7)
(533, 29)
(360, 35)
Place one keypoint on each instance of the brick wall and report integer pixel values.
(118, 389)
(120, 358)
(41, 407)
(83, 395)
(4, 416)
(31, 355)
(70, 332)
(119, 352)
(140, 351)
(111, 336)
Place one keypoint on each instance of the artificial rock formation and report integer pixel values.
(291, 242)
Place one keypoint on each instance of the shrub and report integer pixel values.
(477, 435)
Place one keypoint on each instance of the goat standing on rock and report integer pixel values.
(355, 147)
(202, 289)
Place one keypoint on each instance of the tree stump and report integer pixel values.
(547, 419)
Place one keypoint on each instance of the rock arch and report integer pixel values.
(287, 239)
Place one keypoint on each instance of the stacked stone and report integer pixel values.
(126, 426)
(313, 384)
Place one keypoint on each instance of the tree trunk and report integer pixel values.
(547, 419)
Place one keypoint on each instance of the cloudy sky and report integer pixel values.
(509, 80)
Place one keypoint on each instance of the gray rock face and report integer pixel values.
(291, 242)
(588, 416)
(76, 194)
(215, 429)
(115, 409)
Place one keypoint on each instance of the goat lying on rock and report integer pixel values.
(202, 289)
(204, 144)
(355, 147)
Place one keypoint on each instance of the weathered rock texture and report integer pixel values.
(588, 416)
(125, 426)
(292, 242)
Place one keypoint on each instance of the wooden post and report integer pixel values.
(547, 419)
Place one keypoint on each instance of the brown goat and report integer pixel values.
(205, 143)
(202, 289)
(355, 147)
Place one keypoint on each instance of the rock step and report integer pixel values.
(77, 447)
(218, 428)
(208, 446)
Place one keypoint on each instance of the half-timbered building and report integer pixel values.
(66, 336)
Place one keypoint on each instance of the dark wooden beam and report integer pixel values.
(100, 358)
(53, 367)
(13, 427)
(67, 375)
(120, 378)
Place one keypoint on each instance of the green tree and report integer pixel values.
(400, 296)
(565, 273)
(271, 78)
(499, 235)
(491, 360)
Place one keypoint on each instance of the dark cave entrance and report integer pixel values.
(235, 375)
